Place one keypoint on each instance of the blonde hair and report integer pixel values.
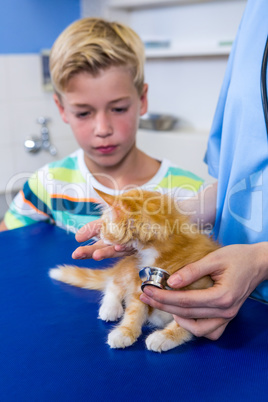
(93, 44)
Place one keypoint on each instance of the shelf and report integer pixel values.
(181, 133)
(132, 4)
(221, 48)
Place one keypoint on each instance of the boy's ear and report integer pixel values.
(144, 100)
(60, 107)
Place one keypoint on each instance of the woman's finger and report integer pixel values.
(209, 328)
(185, 298)
(189, 313)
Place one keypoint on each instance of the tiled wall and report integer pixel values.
(22, 101)
(22, 98)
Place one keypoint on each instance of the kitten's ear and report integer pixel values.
(121, 206)
(110, 199)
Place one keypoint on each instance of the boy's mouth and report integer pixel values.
(107, 149)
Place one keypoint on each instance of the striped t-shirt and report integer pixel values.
(63, 193)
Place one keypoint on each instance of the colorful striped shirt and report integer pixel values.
(63, 193)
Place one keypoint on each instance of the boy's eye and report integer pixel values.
(120, 109)
(82, 114)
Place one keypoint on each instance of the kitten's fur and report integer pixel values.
(164, 238)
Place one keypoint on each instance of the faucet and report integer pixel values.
(34, 144)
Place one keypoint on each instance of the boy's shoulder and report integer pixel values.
(174, 176)
(68, 162)
(171, 169)
(67, 169)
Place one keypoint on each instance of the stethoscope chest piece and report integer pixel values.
(154, 276)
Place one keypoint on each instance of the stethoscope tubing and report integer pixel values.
(264, 85)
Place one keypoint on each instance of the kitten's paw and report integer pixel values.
(111, 312)
(120, 338)
(160, 342)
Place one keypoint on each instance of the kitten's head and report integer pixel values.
(137, 217)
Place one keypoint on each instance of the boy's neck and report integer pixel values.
(135, 170)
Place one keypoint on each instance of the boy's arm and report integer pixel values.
(3, 226)
(99, 250)
(32, 204)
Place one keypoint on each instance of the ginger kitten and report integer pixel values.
(164, 238)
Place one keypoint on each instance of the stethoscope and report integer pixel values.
(264, 85)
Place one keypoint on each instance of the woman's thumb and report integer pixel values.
(188, 274)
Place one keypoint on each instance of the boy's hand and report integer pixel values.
(99, 250)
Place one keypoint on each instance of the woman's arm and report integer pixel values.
(202, 207)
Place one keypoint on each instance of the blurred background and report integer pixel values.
(187, 46)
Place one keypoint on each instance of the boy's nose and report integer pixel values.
(103, 126)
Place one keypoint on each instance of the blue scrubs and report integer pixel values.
(237, 153)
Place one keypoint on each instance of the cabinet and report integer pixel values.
(133, 4)
(215, 39)
(217, 48)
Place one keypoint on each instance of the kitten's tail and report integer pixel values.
(81, 277)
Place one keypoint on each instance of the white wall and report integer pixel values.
(22, 101)
(187, 87)
(27, 27)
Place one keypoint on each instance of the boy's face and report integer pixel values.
(103, 112)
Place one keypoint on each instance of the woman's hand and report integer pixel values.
(99, 250)
(236, 271)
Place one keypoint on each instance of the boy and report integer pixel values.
(97, 73)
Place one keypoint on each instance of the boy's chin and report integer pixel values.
(103, 162)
